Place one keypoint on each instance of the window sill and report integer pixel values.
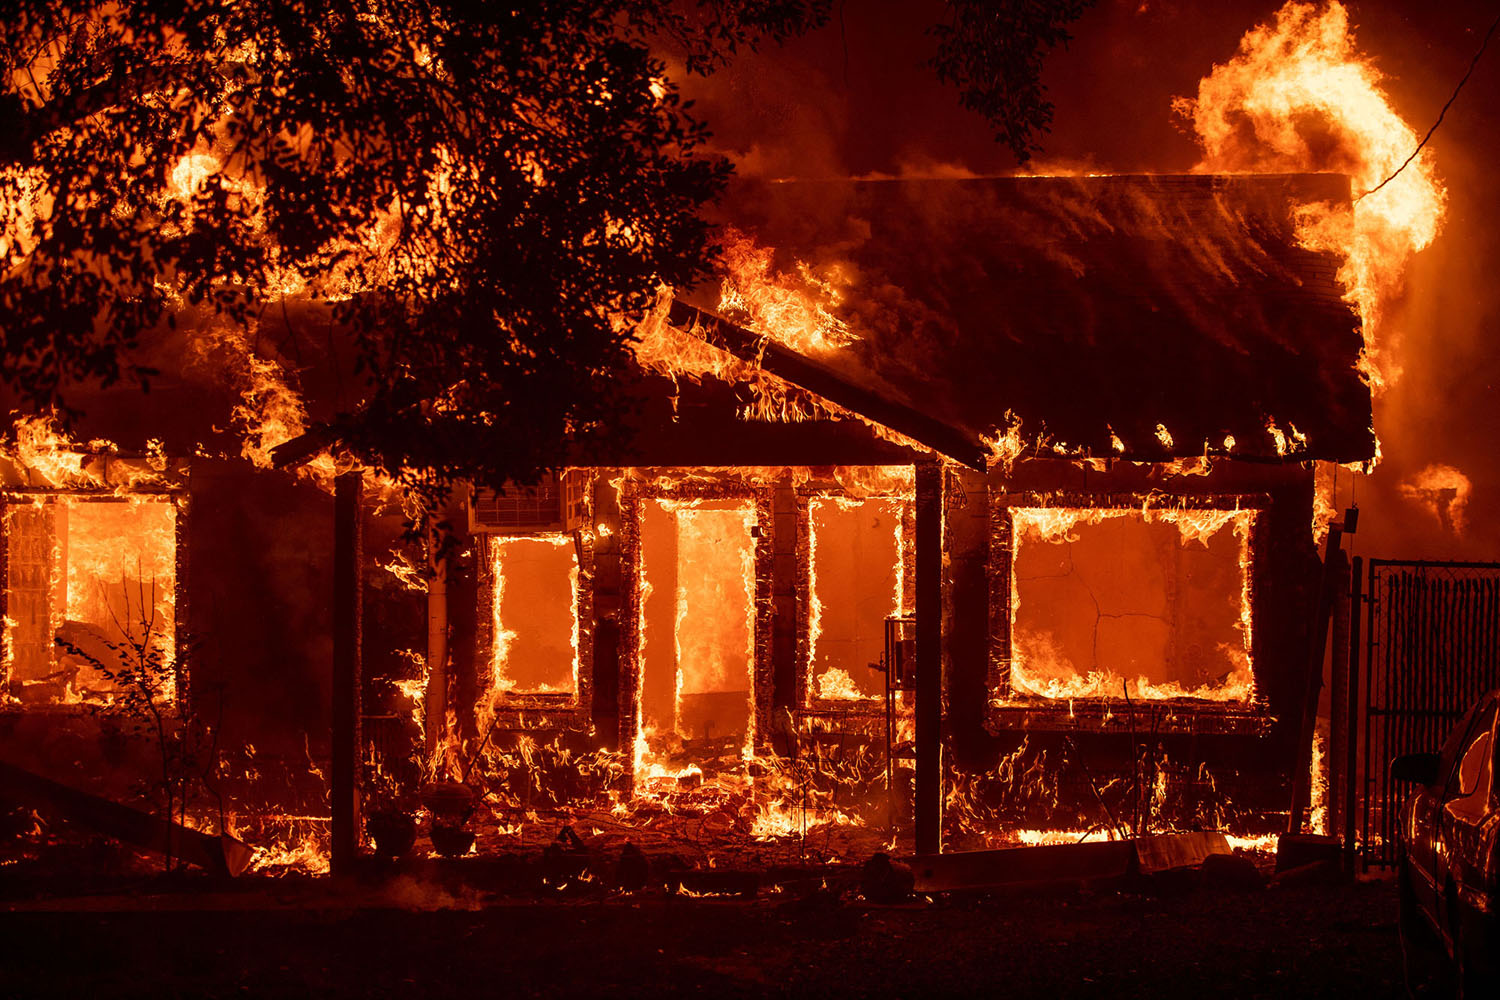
(1174, 715)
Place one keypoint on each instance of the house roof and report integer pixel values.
(1085, 306)
(1082, 305)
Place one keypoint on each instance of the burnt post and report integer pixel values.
(1338, 693)
(435, 700)
(606, 611)
(929, 708)
(347, 600)
(1351, 702)
(1333, 556)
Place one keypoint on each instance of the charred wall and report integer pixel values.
(260, 555)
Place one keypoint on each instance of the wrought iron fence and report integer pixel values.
(1432, 647)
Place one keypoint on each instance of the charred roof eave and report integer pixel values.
(809, 374)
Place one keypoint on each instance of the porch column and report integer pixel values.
(344, 792)
(435, 700)
(929, 707)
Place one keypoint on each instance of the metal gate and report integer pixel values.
(1432, 647)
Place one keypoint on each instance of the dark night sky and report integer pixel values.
(854, 98)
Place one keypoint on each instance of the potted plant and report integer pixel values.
(390, 815)
(451, 804)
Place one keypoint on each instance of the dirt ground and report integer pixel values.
(410, 938)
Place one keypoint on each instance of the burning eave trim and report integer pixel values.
(824, 381)
(100, 473)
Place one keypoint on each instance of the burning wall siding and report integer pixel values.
(259, 552)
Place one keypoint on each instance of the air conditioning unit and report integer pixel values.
(556, 502)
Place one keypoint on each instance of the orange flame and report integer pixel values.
(1299, 96)
(1443, 492)
(799, 312)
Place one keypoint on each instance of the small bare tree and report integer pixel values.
(145, 670)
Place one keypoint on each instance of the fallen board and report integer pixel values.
(1064, 863)
(222, 855)
(1166, 851)
(1100, 859)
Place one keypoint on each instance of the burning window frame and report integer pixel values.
(640, 486)
(807, 700)
(1006, 710)
(29, 496)
(574, 706)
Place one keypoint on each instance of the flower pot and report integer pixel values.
(393, 833)
(451, 841)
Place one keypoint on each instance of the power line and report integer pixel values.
(1472, 63)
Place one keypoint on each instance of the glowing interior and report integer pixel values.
(856, 560)
(100, 576)
(698, 622)
(1155, 602)
(535, 614)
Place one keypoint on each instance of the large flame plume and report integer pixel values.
(1300, 96)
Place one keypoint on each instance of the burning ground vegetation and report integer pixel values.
(574, 818)
(549, 808)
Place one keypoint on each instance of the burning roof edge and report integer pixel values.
(828, 383)
(1242, 319)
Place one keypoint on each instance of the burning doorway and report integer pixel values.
(697, 626)
(695, 656)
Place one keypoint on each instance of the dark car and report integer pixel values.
(1450, 856)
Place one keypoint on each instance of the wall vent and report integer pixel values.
(556, 502)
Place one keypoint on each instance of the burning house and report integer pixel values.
(1106, 396)
(977, 507)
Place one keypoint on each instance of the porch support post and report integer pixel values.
(1338, 693)
(929, 707)
(435, 700)
(1351, 724)
(1333, 557)
(347, 601)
